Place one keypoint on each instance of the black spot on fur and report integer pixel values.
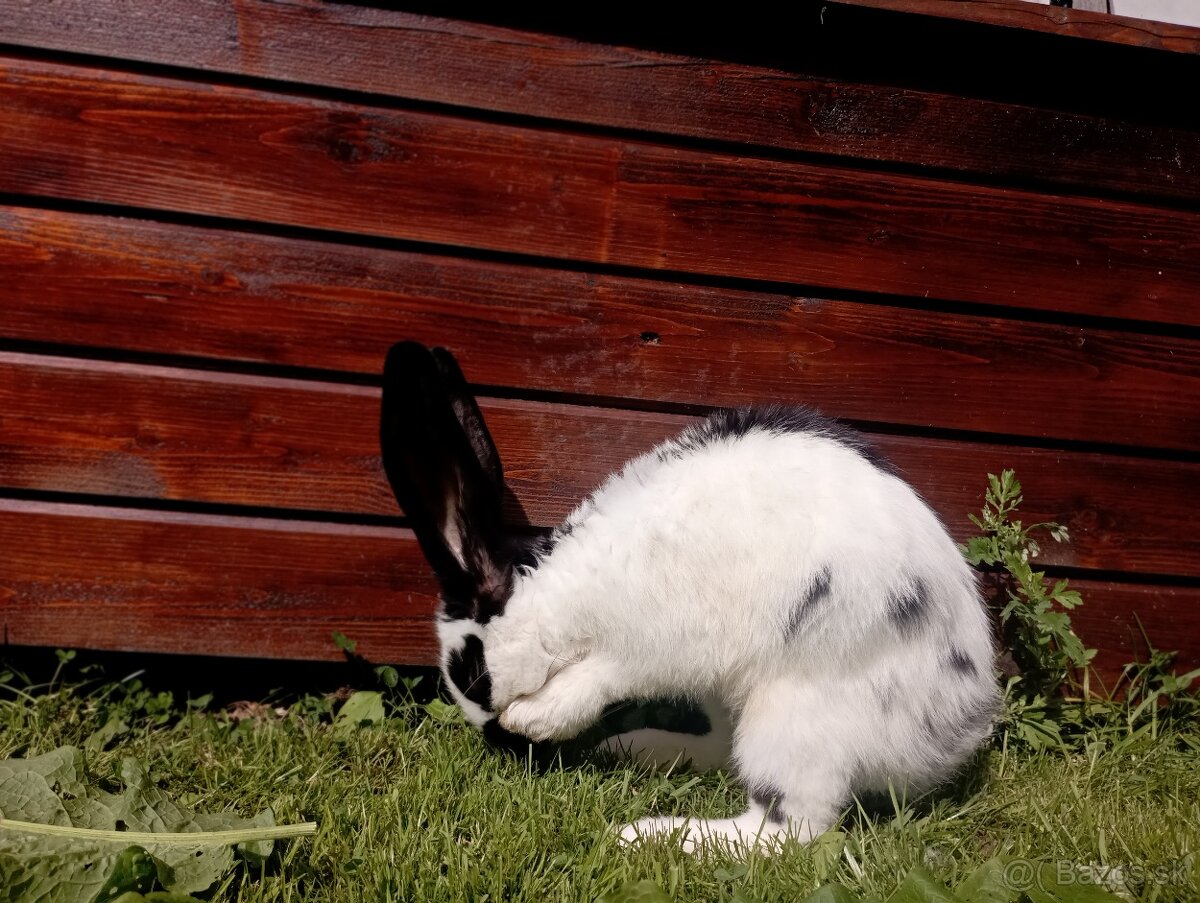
(908, 607)
(467, 670)
(886, 697)
(961, 662)
(733, 423)
(816, 592)
(770, 798)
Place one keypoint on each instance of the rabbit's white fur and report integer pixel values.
(812, 593)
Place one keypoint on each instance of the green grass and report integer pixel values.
(419, 808)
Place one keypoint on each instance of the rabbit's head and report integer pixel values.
(446, 474)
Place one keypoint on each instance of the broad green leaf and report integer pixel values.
(142, 806)
(255, 851)
(732, 873)
(832, 893)
(74, 852)
(363, 707)
(134, 870)
(637, 892)
(1063, 883)
(26, 796)
(827, 853)
(40, 789)
(442, 712)
(114, 727)
(53, 869)
(919, 886)
(387, 675)
(989, 884)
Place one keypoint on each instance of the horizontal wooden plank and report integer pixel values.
(507, 70)
(117, 579)
(1109, 622)
(85, 134)
(1076, 23)
(160, 288)
(78, 426)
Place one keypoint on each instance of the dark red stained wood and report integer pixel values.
(1078, 23)
(1109, 622)
(85, 134)
(493, 68)
(107, 578)
(97, 578)
(152, 287)
(148, 432)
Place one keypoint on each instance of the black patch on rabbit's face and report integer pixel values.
(457, 607)
(815, 593)
(466, 669)
(908, 607)
(770, 798)
(733, 423)
(960, 662)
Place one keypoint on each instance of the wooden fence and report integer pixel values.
(216, 215)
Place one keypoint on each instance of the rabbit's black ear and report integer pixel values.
(469, 417)
(431, 435)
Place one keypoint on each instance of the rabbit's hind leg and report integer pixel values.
(794, 767)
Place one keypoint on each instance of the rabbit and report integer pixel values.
(766, 561)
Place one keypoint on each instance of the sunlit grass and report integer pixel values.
(419, 808)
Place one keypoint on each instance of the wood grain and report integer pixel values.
(124, 284)
(118, 579)
(1109, 622)
(508, 70)
(1076, 23)
(77, 426)
(71, 132)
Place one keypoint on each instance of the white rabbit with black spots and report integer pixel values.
(765, 563)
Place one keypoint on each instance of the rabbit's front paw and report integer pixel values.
(565, 705)
(532, 717)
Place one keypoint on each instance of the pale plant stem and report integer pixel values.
(183, 838)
